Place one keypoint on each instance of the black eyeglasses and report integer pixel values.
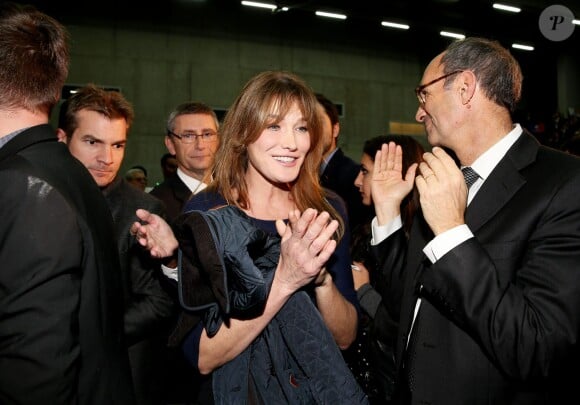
(190, 137)
(419, 90)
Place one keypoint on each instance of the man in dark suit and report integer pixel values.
(94, 123)
(338, 171)
(192, 136)
(61, 331)
(487, 289)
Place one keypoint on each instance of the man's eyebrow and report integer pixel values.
(89, 137)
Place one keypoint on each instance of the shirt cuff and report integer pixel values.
(446, 241)
(380, 233)
(170, 272)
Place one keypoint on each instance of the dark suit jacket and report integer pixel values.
(174, 193)
(501, 311)
(149, 308)
(339, 176)
(61, 308)
(183, 380)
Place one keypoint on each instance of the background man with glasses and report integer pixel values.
(192, 136)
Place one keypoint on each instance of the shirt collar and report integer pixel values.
(326, 160)
(193, 184)
(485, 164)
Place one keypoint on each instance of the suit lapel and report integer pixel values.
(420, 235)
(181, 192)
(503, 182)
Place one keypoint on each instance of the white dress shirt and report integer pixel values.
(193, 184)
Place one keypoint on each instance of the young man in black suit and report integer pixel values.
(338, 171)
(488, 286)
(94, 124)
(61, 305)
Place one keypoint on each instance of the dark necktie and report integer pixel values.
(411, 352)
(470, 176)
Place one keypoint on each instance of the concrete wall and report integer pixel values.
(158, 65)
(158, 70)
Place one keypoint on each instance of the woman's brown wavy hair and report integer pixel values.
(266, 94)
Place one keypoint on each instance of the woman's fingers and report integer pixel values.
(307, 245)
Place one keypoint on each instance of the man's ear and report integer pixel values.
(335, 130)
(61, 135)
(468, 84)
(169, 145)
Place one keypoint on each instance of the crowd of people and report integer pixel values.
(268, 266)
(557, 131)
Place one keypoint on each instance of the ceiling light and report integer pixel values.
(451, 35)
(505, 7)
(258, 4)
(394, 25)
(577, 22)
(331, 15)
(523, 47)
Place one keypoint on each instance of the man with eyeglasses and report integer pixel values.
(137, 176)
(486, 290)
(192, 136)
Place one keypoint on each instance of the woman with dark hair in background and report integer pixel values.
(371, 358)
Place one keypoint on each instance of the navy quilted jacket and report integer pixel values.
(226, 269)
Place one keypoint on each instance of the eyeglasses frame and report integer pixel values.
(419, 89)
(194, 136)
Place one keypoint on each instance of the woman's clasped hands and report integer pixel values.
(307, 244)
